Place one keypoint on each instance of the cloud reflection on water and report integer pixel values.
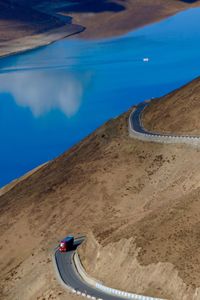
(90, 80)
(44, 91)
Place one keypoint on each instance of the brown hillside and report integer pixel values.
(23, 27)
(19, 21)
(28, 24)
(125, 16)
(138, 204)
(177, 112)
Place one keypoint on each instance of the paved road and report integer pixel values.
(71, 278)
(64, 261)
(136, 120)
(136, 124)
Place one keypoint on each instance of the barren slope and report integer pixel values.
(177, 112)
(28, 24)
(108, 18)
(17, 21)
(22, 27)
(137, 202)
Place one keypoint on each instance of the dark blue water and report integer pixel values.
(52, 97)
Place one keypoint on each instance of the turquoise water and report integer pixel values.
(52, 97)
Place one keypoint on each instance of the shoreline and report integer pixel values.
(79, 30)
(36, 41)
(41, 45)
(7, 187)
(132, 18)
(137, 201)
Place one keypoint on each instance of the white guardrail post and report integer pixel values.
(104, 288)
(144, 136)
(157, 137)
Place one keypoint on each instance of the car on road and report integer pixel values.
(66, 244)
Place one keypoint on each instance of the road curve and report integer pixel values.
(72, 276)
(137, 130)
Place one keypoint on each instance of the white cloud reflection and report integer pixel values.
(43, 91)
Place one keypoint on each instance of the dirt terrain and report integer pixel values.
(120, 16)
(23, 27)
(173, 114)
(137, 202)
(18, 21)
(27, 24)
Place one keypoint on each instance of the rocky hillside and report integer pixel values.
(137, 202)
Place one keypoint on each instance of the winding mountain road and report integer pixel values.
(137, 130)
(72, 278)
(70, 271)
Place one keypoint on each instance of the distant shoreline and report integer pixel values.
(45, 39)
(91, 26)
(133, 17)
(41, 40)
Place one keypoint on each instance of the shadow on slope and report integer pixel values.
(93, 6)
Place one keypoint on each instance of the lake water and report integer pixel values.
(52, 97)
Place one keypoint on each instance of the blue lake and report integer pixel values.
(52, 97)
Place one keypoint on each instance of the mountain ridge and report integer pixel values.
(137, 203)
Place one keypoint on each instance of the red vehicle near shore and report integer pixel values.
(66, 244)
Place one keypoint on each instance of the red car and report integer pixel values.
(66, 244)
